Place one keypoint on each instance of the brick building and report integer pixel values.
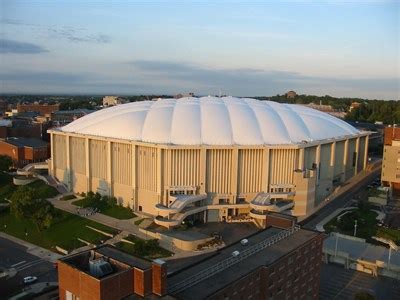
(42, 109)
(391, 160)
(25, 150)
(107, 273)
(277, 263)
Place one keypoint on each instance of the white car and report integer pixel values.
(30, 279)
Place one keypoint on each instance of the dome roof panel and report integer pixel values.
(212, 121)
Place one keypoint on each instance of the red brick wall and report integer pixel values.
(37, 153)
(300, 267)
(279, 221)
(159, 279)
(117, 286)
(42, 109)
(12, 151)
(142, 281)
(390, 134)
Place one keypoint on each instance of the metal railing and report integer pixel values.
(230, 261)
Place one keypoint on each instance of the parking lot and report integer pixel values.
(15, 256)
(339, 283)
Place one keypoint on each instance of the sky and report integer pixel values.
(238, 48)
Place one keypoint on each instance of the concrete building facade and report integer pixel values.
(391, 160)
(210, 182)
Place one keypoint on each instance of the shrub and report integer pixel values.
(112, 201)
(97, 197)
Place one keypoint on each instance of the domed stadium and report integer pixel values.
(209, 159)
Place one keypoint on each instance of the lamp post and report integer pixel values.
(355, 227)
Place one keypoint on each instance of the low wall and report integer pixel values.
(380, 200)
(100, 231)
(23, 180)
(178, 243)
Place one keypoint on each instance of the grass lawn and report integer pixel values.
(115, 211)
(44, 191)
(64, 232)
(145, 249)
(7, 188)
(367, 226)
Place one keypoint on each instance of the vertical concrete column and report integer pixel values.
(109, 169)
(366, 152)
(357, 150)
(69, 173)
(265, 170)
(345, 154)
(317, 162)
(234, 176)
(159, 174)
(332, 160)
(301, 159)
(203, 169)
(87, 163)
(52, 171)
(134, 196)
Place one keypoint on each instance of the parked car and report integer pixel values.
(30, 279)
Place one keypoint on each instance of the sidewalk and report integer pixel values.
(33, 249)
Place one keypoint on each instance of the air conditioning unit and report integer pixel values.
(235, 253)
(244, 242)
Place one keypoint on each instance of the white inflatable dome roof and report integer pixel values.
(212, 121)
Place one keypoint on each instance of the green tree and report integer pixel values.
(25, 203)
(44, 214)
(5, 162)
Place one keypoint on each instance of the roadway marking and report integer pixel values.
(29, 265)
(21, 262)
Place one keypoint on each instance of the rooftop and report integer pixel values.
(26, 142)
(193, 121)
(118, 260)
(264, 257)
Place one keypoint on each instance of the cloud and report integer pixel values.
(78, 35)
(247, 82)
(16, 47)
(41, 77)
(72, 34)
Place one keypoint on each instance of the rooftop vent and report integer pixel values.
(100, 268)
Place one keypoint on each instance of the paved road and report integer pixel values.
(339, 283)
(13, 255)
(350, 190)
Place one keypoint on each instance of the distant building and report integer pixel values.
(327, 109)
(63, 117)
(391, 160)
(42, 109)
(277, 263)
(354, 105)
(178, 96)
(24, 127)
(291, 95)
(25, 150)
(112, 101)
